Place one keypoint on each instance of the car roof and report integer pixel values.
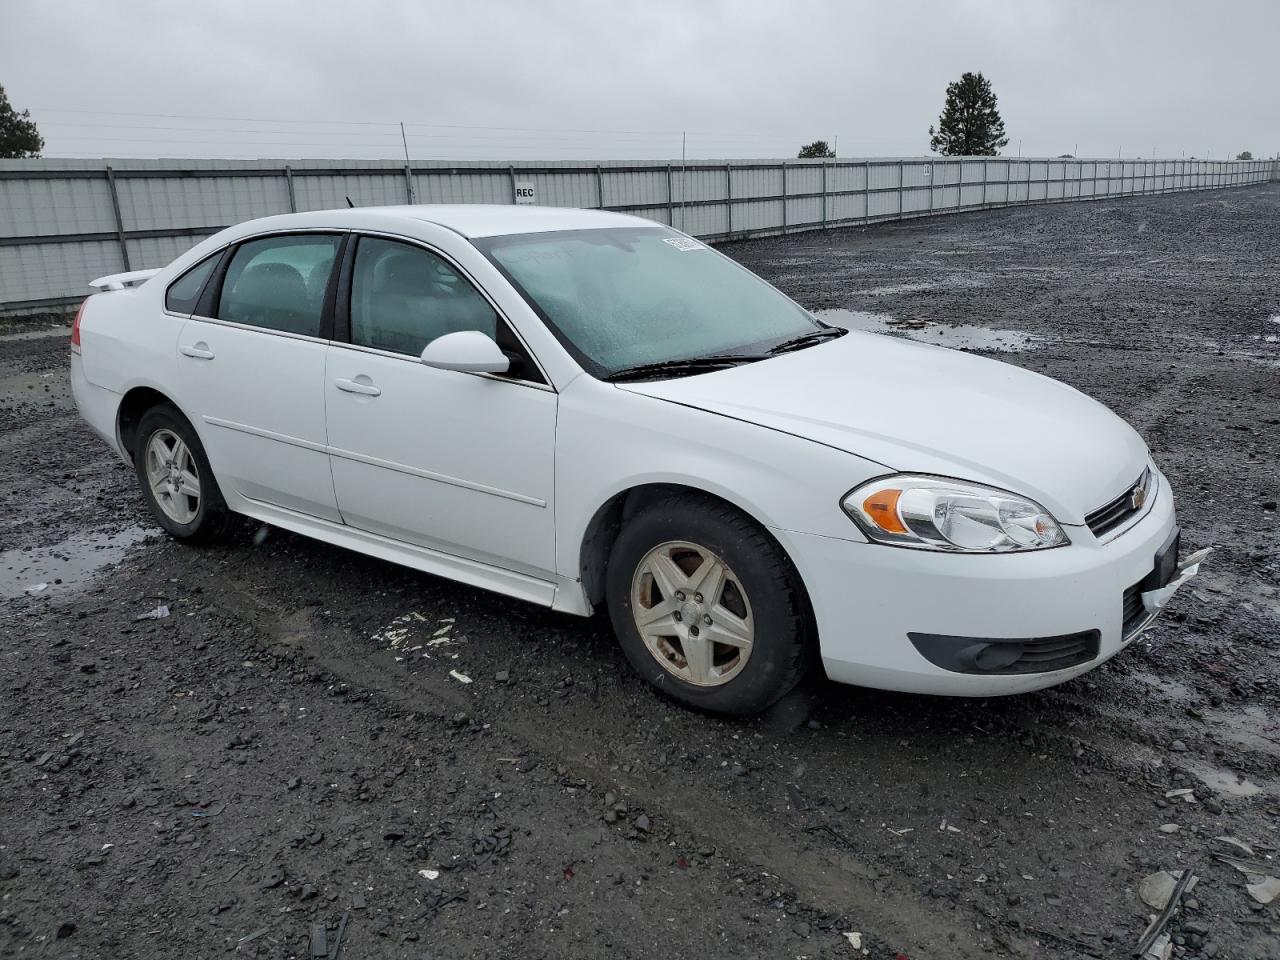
(469, 219)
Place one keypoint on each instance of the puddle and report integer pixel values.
(962, 336)
(1225, 782)
(952, 282)
(72, 561)
(892, 288)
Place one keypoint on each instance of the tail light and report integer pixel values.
(75, 327)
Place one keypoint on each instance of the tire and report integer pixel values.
(203, 518)
(756, 594)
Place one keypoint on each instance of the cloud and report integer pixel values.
(585, 79)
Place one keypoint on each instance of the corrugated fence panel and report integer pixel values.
(849, 206)
(327, 191)
(37, 271)
(161, 249)
(804, 210)
(626, 189)
(59, 226)
(567, 189)
(803, 179)
(759, 215)
(30, 208)
(462, 186)
(708, 184)
(657, 214)
(757, 182)
(157, 203)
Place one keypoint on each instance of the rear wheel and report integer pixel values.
(176, 479)
(706, 606)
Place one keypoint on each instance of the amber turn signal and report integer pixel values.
(882, 507)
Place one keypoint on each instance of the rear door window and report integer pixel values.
(279, 283)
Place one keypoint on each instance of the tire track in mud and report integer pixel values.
(829, 881)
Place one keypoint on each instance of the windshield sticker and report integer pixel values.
(683, 243)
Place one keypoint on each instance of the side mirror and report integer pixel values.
(467, 351)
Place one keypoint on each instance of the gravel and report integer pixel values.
(263, 766)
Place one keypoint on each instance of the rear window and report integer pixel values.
(184, 293)
(279, 283)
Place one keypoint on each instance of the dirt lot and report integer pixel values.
(286, 757)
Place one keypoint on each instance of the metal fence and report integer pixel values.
(64, 222)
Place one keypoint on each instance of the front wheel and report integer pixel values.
(176, 479)
(706, 606)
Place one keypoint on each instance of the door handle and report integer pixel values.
(363, 386)
(200, 351)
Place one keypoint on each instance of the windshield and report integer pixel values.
(623, 298)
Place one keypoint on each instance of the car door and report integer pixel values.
(457, 462)
(252, 369)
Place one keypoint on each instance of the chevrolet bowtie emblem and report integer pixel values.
(1138, 496)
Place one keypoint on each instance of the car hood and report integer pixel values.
(913, 407)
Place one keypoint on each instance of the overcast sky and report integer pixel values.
(550, 79)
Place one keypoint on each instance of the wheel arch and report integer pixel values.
(137, 401)
(607, 522)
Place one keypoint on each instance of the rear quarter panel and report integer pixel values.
(126, 339)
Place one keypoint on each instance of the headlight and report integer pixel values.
(934, 513)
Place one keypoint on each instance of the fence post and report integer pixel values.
(728, 197)
(599, 187)
(408, 184)
(931, 169)
(784, 196)
(866, 192)
(824, 194)
(115, 208)
(671, 201)
(511, 173)
(900, 190)
(288, 180)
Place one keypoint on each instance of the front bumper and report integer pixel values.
(867, 598)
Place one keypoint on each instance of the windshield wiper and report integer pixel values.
(807, 339)
(691, 365)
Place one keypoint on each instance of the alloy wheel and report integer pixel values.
(173, 476)
(692, 613)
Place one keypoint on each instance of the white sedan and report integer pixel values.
(585, 409)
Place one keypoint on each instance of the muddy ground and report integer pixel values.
(288, 758)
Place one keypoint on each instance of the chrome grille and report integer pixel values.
(1116, 512)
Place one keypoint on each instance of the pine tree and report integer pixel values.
(970, 125)
(818, 150)
(19, 138)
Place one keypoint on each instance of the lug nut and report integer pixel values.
(680, 595)
(706, 618)
(697, 597)
(693, 631)
(678, 616)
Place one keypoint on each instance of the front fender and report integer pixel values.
(609, 441)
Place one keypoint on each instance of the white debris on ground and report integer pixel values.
(412, 633)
